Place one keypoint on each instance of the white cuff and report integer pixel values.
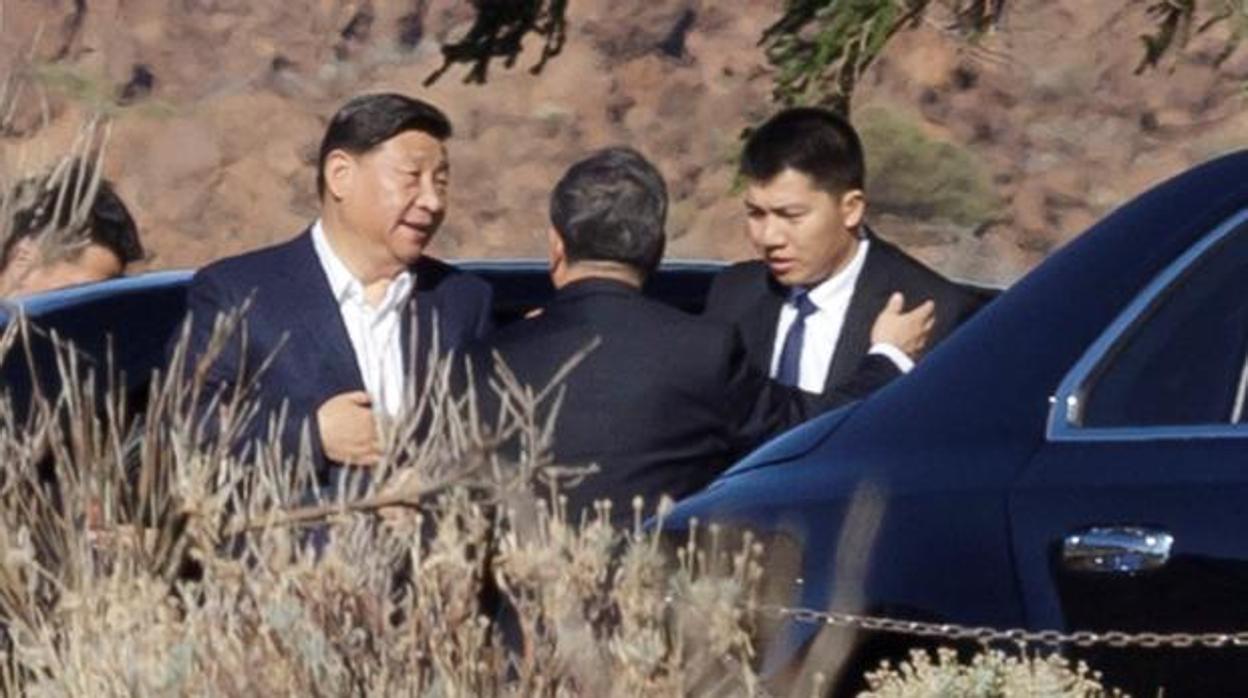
(904, 363)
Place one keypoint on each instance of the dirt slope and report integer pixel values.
(224, 102)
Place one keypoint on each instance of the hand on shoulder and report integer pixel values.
(910, 330)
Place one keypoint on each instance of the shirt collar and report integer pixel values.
(841, 283)
(344, 285)
(397, 293)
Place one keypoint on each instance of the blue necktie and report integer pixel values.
(789, 370)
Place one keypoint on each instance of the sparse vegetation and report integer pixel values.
(820, 48)
(91, 90)
(913, 174)
(990, 674)
(142, 554)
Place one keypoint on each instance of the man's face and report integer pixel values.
(803, 233)
(395, 198)
(93, 263)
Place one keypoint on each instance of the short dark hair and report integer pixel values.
(108, 223)
(612, 207)
(819, 143)
(369, 120)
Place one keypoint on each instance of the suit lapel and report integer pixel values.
(870, 294)
(318, 320)
(419, 325)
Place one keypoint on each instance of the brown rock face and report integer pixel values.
(219, 106)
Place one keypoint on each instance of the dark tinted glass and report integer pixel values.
(1183, 363)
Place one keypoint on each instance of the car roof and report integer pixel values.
(60, 299)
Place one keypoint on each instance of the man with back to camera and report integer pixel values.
(337, 305)
(824, 309)
(666, 400)
(94, 243)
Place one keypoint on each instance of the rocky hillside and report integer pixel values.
(982, 158)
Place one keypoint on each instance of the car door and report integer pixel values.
(1133, 516)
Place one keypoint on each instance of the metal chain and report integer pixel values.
(985, 635)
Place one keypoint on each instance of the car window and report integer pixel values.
(1184, 361)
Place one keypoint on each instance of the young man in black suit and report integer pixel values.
(825, 308)
(336, 306)
(666, 400)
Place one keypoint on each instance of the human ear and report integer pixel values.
(853, 204)
(340, 168)
(558, 252)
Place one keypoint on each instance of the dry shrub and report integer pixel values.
(989, 674)
(147, 554)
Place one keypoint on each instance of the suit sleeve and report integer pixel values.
(762, 408)
(226, 368)
(873, 372)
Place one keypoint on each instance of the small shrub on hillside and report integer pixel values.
(911, 174)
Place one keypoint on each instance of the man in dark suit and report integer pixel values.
(337, 306)
(825, 309)
(666, 400)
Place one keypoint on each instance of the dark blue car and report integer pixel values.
(1074, 458)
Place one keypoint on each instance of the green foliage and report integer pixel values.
(499, 31)
(1177, 22)
(1174, 25)
(912, 174)
(92, 90)
(820, 48)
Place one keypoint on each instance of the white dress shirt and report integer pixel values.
(823, 327)
(374, 330)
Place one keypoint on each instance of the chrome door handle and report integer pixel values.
(1116, 549)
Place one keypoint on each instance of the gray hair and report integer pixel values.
(612, 207)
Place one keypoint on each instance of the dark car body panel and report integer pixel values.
(130, 319)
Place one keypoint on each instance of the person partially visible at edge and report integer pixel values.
(666, 400)
(350, 308)
(829, 306)
(55, 241)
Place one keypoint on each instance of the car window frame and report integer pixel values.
(1066, 406)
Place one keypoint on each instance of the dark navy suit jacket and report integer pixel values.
(662, 405)
(294, 318)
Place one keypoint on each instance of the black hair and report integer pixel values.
(819, 143)
(108, 223)
(611, 207)
(369, 120)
